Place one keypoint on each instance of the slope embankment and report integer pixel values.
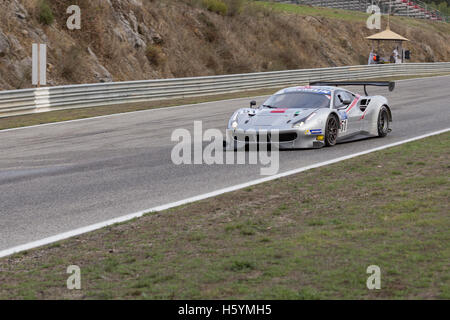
(134, 39)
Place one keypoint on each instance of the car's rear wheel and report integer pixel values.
(383, 122)
(331, 131)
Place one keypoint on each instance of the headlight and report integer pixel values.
(234, 125)
(301, 123)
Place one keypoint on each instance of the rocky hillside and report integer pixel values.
(145, 39)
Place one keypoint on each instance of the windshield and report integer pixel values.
(298, 100)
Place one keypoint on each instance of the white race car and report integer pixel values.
(321, 114)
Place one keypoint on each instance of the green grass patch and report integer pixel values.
(314, 11)
(45, 13)
(348, 15)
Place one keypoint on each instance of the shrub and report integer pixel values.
(154, 55)
(211, 32)
(235, 7)
(45, 13)
(216, 6)
(71, 63)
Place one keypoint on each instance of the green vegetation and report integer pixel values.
(45, 13)
(397, 22)
(443, 6)
(345, 15)
(222, 7)
(216, 6)
(235, 7)
(311, 238)
(314, 11)
(155, 55)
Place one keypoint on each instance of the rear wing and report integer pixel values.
(389, 84)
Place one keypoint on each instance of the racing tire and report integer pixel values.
(331, 131)
(383, 122)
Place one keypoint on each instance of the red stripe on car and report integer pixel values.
(278, 111)
(353, 103)
(364, 114)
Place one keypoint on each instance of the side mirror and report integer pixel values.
(391, 86)
(347, 102)
(252, 104)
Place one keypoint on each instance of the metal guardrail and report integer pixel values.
(29, 101)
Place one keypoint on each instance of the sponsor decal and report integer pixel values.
(310, 89)
(344, 125)
(343, 115)
(314, 131)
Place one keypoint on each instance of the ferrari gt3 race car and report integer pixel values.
(314, 116)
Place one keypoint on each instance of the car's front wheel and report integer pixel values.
(383, 122)
(331, 131)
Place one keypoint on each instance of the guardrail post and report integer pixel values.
(39, 64)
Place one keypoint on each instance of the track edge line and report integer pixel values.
(128, 217)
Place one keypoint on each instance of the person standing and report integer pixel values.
(371, 57)
(396, 56)
(392, 58)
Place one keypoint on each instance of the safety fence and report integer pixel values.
(28, 101)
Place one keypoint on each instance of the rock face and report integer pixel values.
(134, 39)
(127, 30)
(4, 44)
(101, 74)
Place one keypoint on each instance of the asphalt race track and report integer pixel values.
(58, 177)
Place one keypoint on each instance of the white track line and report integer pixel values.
(131, 216)
(165, 108)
